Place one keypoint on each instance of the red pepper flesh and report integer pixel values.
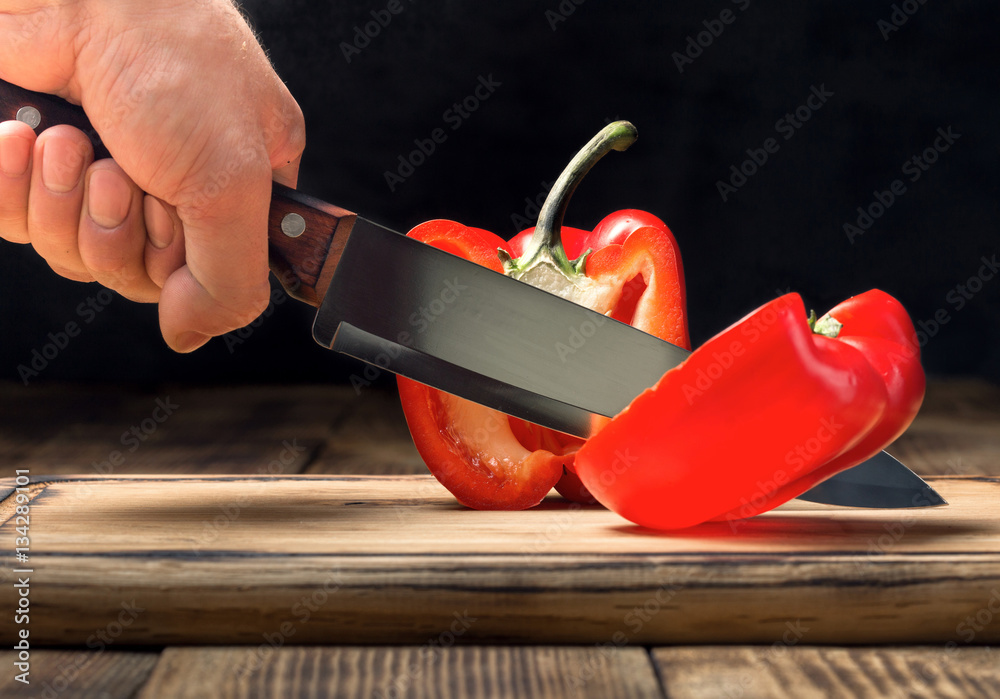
(629, 268)
(876, 324)
(751, 414)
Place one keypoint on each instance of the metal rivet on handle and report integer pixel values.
(30, 116)
(293, 225)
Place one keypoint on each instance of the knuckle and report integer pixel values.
(290, 140)
(219, 190)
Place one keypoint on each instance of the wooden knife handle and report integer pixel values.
(305, 263)
(305, 235)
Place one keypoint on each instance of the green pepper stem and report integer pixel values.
(827, 326)
(546, 241)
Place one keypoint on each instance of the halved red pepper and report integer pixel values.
(876, 324)
(628, 267)
(759, 414)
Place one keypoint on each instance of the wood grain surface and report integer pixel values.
(69, 674)
(784, 670)
(937, 574)
(79, 429)
(428, 670)
(394, 559)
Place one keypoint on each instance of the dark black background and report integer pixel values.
(783, 229)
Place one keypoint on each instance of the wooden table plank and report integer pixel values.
(782, 670)
(962, 399)
(393, 559)
(937, 445)
(69, 674)
(105, 431)
(64, 429)
(957, 431)
(61, 429)
(372, 438)
(431, 670)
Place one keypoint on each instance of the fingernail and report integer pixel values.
(159, 225)
(62, 165)
(109, 198)
(15, 154)
(190, 341)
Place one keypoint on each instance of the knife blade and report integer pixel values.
(880, 482)
(465, 329)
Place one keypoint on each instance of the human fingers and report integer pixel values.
(223, 284)
(61, 156)
(17, 142)
(164, 253)
(112, 233)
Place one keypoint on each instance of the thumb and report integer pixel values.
(224, 283)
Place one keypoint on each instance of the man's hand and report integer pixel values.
(198, 124)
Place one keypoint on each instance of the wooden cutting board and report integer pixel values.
(394, 559)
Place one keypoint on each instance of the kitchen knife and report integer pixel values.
(465, 329)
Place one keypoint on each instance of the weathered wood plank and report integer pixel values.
(938, 445)
(60, 429)
(783, 670)
(372, 438)
(431, 670)
(393, 559)
(71, 674)
(962, 399)
(957, 431)
(102, 431)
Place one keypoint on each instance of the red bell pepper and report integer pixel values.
(876, 324)
(759, 414)
(628, 267)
